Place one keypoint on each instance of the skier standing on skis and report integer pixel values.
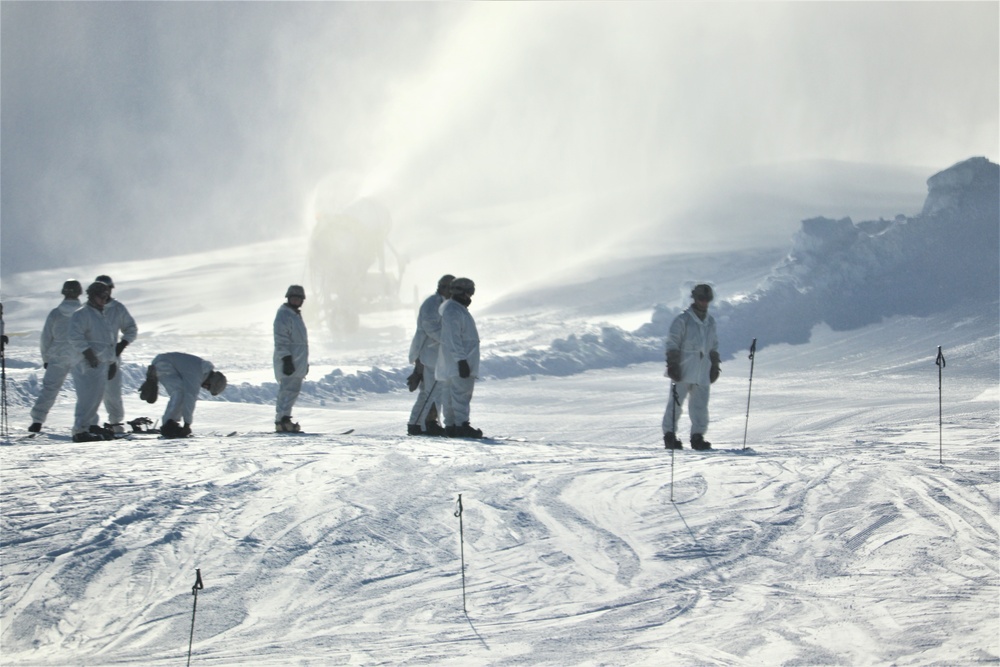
(122, 321)
(291, 357)
(458, 359)
(424, 351)
(93, 342)
(58, 356)
(692, 366)
(182, 375)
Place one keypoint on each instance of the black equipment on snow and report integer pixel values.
(753, 353)
(940, 364)
(143, 425)
(194, 591)
(461, 533)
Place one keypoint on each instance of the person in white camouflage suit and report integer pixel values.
(121, 321)
(458, 359)
(692, 365)
(58, 356)
(291, 357)
(424, 350)
(93, 343)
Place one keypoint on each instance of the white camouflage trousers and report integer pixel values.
(430, 393)
(288, 393)
(697, 407)
(113, 397)
(457, 397)
(90, 384)
(52, 382)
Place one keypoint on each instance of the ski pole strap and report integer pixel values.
(197, 584)
(940, 358)
(458, 507)
(753, 349)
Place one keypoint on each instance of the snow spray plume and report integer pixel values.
(461, 539)
(194, 591)
(753, 353)
(940, 364)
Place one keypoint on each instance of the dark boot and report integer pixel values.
(103, 433)
(435, 429)
(286, 425)
(464, 431)
(36, 427)
(171, 429)
(413, 429)
(698, 441)
(670, 441)
(86, 437)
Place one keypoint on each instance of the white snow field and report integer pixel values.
(854, 528)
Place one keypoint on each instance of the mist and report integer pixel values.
(508, 140)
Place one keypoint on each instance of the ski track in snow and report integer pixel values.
(835, 542)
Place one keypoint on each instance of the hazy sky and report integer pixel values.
(168, 127)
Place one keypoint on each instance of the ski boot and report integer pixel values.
(116, 429)
(36, 427)
(171, 429)
(698, 442)
(286, 425)
(435, 429)
(670, 441)
(86, 436)
(463, 431)
(102, 433)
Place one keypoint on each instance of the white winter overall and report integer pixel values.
(425, 348)
(58, 355)
(696, 339)
(459, 340)
(88, 329)
(290, 339)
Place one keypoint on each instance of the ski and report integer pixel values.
(307, 434)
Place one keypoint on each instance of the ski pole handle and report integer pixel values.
(753, 349)
(940, 358)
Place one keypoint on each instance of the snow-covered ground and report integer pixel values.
(848, 531)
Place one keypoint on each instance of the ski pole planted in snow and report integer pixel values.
(753, 352)
(676, 403)
(461, 536)
(194, 591)
(940, 364)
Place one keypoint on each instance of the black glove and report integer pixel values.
(112, 370)
(122, 344)
(713, 373)
(416, 377)
(91, 358)
(45, 365)
(4, 340)
(463, 369)
(674, 365)
(287, 366)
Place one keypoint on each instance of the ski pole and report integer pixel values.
(940, 364)
(676, 402)
(461, 533)
(753, 352)
(430, 392)
(194, 591)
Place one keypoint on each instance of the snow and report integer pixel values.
(849, 530)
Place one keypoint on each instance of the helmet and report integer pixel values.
(216, 382)
(295, 290)
(462, 286)
(445, 281)
(106, 280)
(97, 288)
(72, 289)
(702, 292)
